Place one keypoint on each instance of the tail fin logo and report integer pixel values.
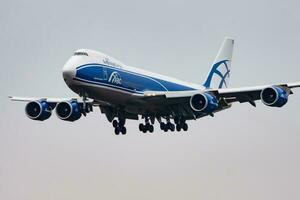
(216, 70)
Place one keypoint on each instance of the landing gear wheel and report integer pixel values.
(115, 123)
(172, 127)
(141, 127)
(147, 126)
(165, 128)
(144, 130)
(169, 125)
(162, 126)
(151, 128)
(178, 127)
(185, 127)
(123, 130)
(117, 130)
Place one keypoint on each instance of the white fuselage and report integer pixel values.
(104, 78)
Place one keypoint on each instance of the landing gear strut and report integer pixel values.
(119, 126)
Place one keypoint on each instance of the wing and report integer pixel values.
(57, 100)
(250, 94)
(50, 100)
(179, 101)
(85, 106)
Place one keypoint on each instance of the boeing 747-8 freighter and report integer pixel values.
(123, 92)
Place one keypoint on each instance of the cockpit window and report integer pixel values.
(79, 53)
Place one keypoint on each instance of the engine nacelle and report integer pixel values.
(68, 110)
(38, 110)
(274, 96)
(205, 102)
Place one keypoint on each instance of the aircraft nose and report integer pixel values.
(68, 73)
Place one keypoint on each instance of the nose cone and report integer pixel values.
(68, 72)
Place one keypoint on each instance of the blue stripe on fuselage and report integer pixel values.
(108, 85)
(125, 80)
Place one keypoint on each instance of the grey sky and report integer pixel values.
(244, 153)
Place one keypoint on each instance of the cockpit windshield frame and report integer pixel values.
(80, 53)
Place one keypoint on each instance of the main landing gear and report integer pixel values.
(180, 124)
(167, 126)
(119, 126)
(147, 126)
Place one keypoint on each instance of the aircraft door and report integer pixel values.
(105, 73)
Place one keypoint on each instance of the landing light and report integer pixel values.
(151, 95)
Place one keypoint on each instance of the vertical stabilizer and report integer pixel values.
(219, 74)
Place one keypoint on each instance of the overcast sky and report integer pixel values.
(242, 153)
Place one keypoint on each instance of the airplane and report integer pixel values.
(127, 93)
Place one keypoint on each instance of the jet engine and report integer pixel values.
(38, 110)
(274, 96)
(68, 110)
(205, 102)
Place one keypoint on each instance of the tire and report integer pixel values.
(117, 130)
(185, 127)
(144, 129)
(115, 123)
(123, 130)
(162, 126)
(148, 127)
(166, 129)
(151, 129)
(178, 128)
(141, 126)
(169, 125)
(172, 127)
